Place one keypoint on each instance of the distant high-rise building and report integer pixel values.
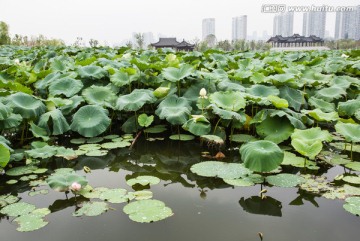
(314, 23)
(347, 25)
(208, 27)
(239, 26)
(283, 24)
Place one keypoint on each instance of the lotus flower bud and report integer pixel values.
(17, 61)
(344, 56)
(75, 186)
(202, 93)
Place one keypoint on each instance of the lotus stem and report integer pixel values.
(351, 151)
(178, 128)
(217, 123)
(23, 133)
(179, 88)
(136, 119)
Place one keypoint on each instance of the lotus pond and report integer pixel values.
(103, 143)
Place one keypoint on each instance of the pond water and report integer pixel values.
(204, 208)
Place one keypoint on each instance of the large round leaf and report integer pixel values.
(197, 125)
(351, 132)
(220, 169)
(26, 105)
(54, 119)
(319, 115)
(5, 111)
(261, 156)
(92, 72)
(349, 108)
(4, 155)
(65, 86)
(135, 100)
(229, 100)
(330, 93)
(99, 95)
(90, 120)
(62, 181)
(285, 180)
(174, 109)
(262, 90)
(275, 129)
(293, 96)
(175, 74)
(146, 211)
(323, 105)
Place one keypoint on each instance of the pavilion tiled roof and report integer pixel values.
(295, 38)
(166, 42)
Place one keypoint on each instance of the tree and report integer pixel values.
(224, 45)
(4, 33)
(139, 38)
(211, 40)
(93, 43)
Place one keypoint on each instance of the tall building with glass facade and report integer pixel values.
(239, 27)
(208, 27)
(283, 24)
(347, 25)
(314, 23)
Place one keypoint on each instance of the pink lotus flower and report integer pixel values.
(75, 187)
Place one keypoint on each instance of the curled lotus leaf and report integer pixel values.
(92, 72)
(319, 115)
(99, 95)
(278, 102)
(350, 131)
(349, 108)
(275, 129)
(175, 74)
(5, 111)
(54, 120)
(26, 105)
(312, 134)
(261, 156)
(330, 93)
(135, 100)
(322, 105)
(197, 125)
(146, 211)
(65, 86)
(175, 110)
(90, 121)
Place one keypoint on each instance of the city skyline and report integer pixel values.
(115, 21)
(239, 27)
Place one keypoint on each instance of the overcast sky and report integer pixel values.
(115, 20)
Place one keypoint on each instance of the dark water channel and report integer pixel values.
(204, 208)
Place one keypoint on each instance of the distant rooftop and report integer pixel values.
(173, 43)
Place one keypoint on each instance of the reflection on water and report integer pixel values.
(204, 208)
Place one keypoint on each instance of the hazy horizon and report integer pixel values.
(114, 22)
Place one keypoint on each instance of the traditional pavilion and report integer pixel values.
(172, 43)
(296, 41)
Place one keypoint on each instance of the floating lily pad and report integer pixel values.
(62, 181)
(39, 192)
(90, 192)
(115, 145)
(182, 137)
(156, 129)
(94, 140)
(28, 178)
(241, 138)
(352, 205)
(353, 166)
(110, 137)
(285, 180)
(97, 153)
(296, 161)
(40, 171)
(247, 181)
(92, 209)
(146, 211)
(352, 179)
(17, 209)
(23, 170)
(90, 147)
(114, 195)
(66, 153)
(64, 170)
(78, 141)
(7, 199)
(143, 180)
(142, 195)
(30, 222)
(11, 182)
(220, 169)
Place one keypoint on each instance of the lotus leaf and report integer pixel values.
(174, 109)
(161, 92)
(319, 115)
(175, 74)
(293, 96)
(43, 152)
(145, 120)
(352, 205)
(261, 156)
(181, 137)
(62, 181)
(92, 72)
(275, 129)
(246, 181)
(262, 90)
(352, 179)
(220, 169)
(55, 120)
(5, 111)
(197, 125)
(146, 211)
(330, 93)
(65, 86)
(155, 129)
(99, 95)
(11, 182)
(229, 100)
(135, 100)
(35, 193)
(90, 120)
(90, 147)
(94, 140)
(4, 155)
(26, 105)
(241, 138)
(115, 145)
(75, 102)
(17, 209)
(114, 195)
(142, 195)
(121, 78)
(7, 199)
(30, 222)
(12, 121)
(323, 105)
(285, 180)
(278, 102)
(353, 166)
(143, 180)
(349, 108)
(92, 209)
(213, 139)
(96, 153)
(23, 170)
(351, 132)
(110, 137)
(293, 160)
(228, 114)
